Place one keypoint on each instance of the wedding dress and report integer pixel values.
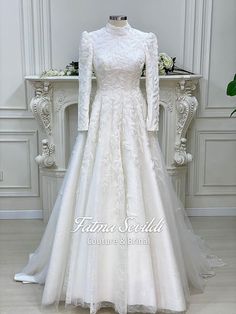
(117, 171)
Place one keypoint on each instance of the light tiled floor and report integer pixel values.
(20, 237)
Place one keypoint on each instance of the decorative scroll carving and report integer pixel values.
(186, 106)
(41, 107)
(47, 159)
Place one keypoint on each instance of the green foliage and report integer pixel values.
(231, 91)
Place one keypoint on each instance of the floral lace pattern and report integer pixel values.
(120, 69)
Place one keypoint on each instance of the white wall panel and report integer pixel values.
(222, 55)
(11, 57)
(69, 18)
(19, 174)
(214, 174)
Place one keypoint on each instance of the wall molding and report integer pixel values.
(189, 34)
(21, 214)
(36, 35)
(199, 186)
(10, 116)
(42, 35)
(30, 138)
(211, 211)
(206, 39)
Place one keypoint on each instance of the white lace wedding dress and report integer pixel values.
(117, 170)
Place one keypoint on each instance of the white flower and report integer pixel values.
(161, 68)
(51, 72)
(68, 73)
(167, 60)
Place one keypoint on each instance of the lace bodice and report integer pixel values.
(117, 56)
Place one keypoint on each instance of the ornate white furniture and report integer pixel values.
(54, 105)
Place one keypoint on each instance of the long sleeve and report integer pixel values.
(152, 83)
(85, 81)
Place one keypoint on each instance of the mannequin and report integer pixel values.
(118, 20)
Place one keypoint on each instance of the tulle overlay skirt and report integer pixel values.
(118, 234)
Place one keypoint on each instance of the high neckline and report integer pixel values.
(119, 30)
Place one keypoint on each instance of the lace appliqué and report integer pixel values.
(152, 82)
(85, 83)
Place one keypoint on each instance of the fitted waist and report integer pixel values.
(118, 89)
(119, 94)
(119, 82)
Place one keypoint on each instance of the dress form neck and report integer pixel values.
(119, 26)
(118, 23)
(118, 20)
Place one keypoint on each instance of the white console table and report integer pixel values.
(54, 106)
